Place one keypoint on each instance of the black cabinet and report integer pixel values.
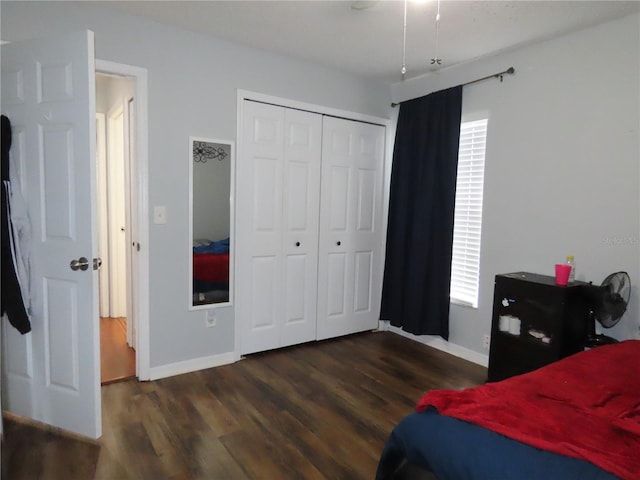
(535, 322)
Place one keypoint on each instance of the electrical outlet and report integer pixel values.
(486, 341)
(211, 319)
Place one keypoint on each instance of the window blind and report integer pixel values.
(465, 263)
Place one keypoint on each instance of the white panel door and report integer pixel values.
(277, 226)
(351, 236)
(48, 92)
(301, 209)
(259, 227)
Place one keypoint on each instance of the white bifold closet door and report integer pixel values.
(351, 233)
(277, 229)
(309, 227)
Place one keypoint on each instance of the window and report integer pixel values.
(465, 263)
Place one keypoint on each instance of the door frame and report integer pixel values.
(141, 182)
(243, 95)
(117, 203)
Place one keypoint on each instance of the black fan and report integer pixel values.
(609, 302)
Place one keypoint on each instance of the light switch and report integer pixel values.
(159, 214)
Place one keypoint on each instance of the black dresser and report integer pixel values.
(535, 322)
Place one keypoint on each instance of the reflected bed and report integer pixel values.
(211, 272)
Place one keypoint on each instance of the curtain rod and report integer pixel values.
(499, 75)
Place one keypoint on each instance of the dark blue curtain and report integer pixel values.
(417, 273)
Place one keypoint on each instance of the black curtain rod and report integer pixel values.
(500, 75)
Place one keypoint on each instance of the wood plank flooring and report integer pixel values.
(315, 411)
(117, 359)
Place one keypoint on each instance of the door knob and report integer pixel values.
(81, 264)
(97, 263)
(338, 243)
(297, 244)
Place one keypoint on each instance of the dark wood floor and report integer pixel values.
(117, 359)
(316, 411)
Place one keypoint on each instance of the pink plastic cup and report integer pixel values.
(562, 273)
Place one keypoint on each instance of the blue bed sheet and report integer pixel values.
(457, 450)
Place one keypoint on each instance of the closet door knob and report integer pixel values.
(338, 243)
(297, 244)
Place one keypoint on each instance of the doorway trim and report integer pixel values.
(141, 183)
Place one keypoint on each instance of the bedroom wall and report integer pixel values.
(562, 163)
(193, 81)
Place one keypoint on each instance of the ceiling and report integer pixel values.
(369, 42)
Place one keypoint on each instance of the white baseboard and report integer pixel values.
(440, 344)
(188, 366)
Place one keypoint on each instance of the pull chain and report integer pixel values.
(403, 71)
(437, 60)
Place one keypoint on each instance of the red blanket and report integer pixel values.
(211, 267)
(585, 406)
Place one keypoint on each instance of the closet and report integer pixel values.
(309, 235)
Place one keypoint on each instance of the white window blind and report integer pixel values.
(465, 264)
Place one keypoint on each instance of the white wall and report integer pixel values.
(192, 91)
(562, 162)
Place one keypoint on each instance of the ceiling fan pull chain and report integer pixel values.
(437, 60)
(403, 71)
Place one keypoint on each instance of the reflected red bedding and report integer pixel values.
(585, 406)
(211, 267)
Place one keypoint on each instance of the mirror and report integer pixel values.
(210, 242)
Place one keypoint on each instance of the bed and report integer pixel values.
(210, 271)
(578, 418)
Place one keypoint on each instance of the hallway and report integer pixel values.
(117, 359)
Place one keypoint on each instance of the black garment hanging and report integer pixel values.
(12, 301)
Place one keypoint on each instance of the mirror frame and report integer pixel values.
(231, 144)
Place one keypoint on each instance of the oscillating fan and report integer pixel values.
(609, 302)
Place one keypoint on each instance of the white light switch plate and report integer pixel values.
(159, 214)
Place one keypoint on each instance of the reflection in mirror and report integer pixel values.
(210, 175)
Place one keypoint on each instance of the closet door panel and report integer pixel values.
(266, 186)
(278, 207)
(259, 227)
(302, 155)
(366, 200)
(368, 161)
(337, 271)
(263, 302)
(297, 187)
(351, 197)
(295, 270)
(363, 278)
(338, 193)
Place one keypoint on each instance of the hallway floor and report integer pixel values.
(117, 359)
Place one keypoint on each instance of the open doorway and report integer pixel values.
(115, 157)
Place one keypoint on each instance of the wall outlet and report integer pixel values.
(486, 341)
(211, 319)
